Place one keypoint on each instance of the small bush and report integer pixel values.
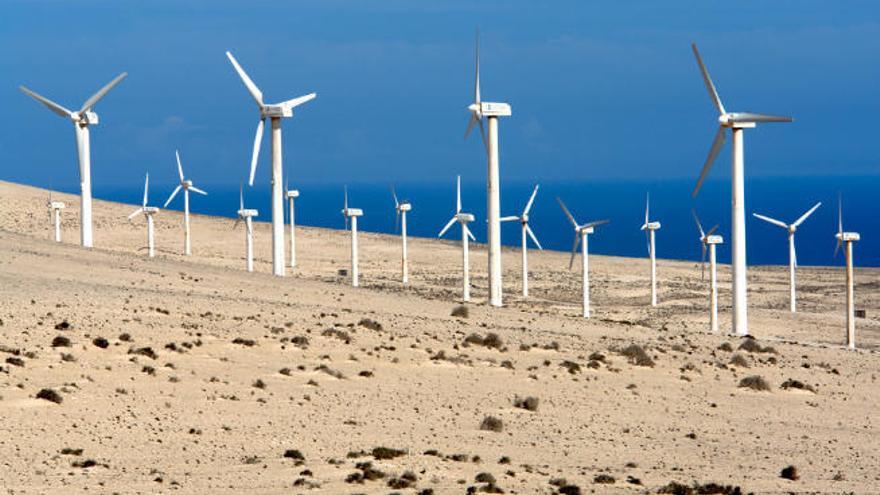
(461, 311)
(752, 345)
(604, 479)
(739, 360)
(101, 342)
(371, 324)
(637, 356)
(50, 395)
(797, 385)
(144, 351)
(491, 423)
(60, 341)
(789, 473)
(571, 366)
(527, 403)
(725, 346)
(755, 382)
(244, 342)
(294, 454)
(385, 453)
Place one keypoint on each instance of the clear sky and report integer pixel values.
(598, 89)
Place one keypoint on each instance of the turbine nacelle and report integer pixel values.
(149, 210)
(56, 205)
(245, 213)
(847, 236)
(585, 230)
(84, 118)
(489, 109)
(713, 239)
(404, 207)
(294, 193)
(465, 217)
(186, 183)
(353, 212)
(651, 226)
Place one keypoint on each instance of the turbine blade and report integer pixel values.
(647, 208)
(574, 247)
(457, 194)
(720, 137)
(251, 87)
(648, 241)
(508, 219)
(51, 105)
(87, 106)
(477, 71)
(595, 223)
(567, 213)
(471, 123)
(757, 117)
(179, 165)
(469, 233)
(394, 195)
(840, 213)
(770, 220)
(397, 222)
(837, 247)
(345, 197)
(703, 263)
(535, 239)
(531, 200)
(447, 226)
(807, 214)
(258, 140)
(712, 230)
(295, 102)
(173, 193)
(237, 221)
(699, 225)
(136, 213)
(197, 190)
(241, 195)
(483, 135)
(708, 80)
(146, 188)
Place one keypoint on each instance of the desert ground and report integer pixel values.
(123, 374)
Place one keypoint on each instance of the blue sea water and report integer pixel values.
(621, 201)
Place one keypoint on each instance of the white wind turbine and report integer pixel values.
(491, 111)
(650, 228)
(187, 186)
(82, 119)
(246, 215)
(708, 241)
(736, 122)
(148, 212)
(463, 219)
(792, 256)
(55, 208)
(580, 237)
(291, 195)
(848, 238)
(352, 214)
(401, 208)
(274, 111)
(523, 219)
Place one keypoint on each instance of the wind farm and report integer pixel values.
(536, 333)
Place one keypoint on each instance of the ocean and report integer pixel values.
(621, 201)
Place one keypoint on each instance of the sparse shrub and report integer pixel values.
(330, 371)
(101, 342)
(68, 358)
(285, 371)
(571, 366)
(15, 361)
(569, 490)
(294, 454)
(339, 334)
(491, 423)
(384, 453)
(739, 360)
(676, 488)
(244, 342)
(60, 341)
(370, 324)
(789, 473)
(70, 451)
(751, 345)
(796, 384)
(64, 325)
(725, 346)
(755, 382)
(144, 351)
(84, 464)
(405, 480)
(637, 356)
(125, 337)
(260, 384)
(484, 478)
(604, 479)
(50, 395)
(461, 311)
(527, 403)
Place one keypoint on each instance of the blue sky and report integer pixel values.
(598, 89)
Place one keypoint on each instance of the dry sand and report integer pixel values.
(247, 366)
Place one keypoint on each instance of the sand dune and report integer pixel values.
(189, 375)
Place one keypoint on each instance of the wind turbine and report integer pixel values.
(491, 111)
(402, 207)
(581, 231)
(463, 219)
(523, 219)
(352, 214)
(291, 195)
(82, 119)
(274, 111)
(187, 186)
(148, 212)
(736, 122)
(247, 216)
(55, 208)
(650, 227)
(848, 238)
(709, 241)
(792, 256)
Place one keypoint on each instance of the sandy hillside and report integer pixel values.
(189, 375)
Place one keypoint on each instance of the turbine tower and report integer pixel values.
(849, 238)
(82, 119)
(581, 231)
(55, 208)
(291, 195)
(792, 256)
(402, 207)
(708, 241)
(463, 219)
(490, 111)
(187, 186)
(352, 214)
(523, 219)
(274, 111)
(148, 212)
(650, 228)
(247, 216)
